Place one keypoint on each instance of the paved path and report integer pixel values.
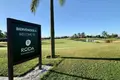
(33, 75)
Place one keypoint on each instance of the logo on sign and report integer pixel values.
(28, 42)
(27, 49)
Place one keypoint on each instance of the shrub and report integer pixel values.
(82, 39)
(108, 41)
(97, 41)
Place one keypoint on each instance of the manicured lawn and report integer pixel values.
(24, 67)
(87, 61)
(79, 61)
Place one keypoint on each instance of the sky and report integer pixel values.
(75, 16)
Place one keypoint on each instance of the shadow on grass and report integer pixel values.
(56, 56)
(47, 43)
(21, 75)
(59, 62)
(92, 58)
(2, 46)
(56, 64)
(53, 71)
(59, 42)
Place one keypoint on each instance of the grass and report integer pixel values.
(87, 61)
(79, 61)
(24, 67)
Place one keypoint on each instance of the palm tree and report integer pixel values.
(34, 6)
(104, 34)
(79, 35)
(83, 35)
(75, 36)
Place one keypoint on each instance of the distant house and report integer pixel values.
(3, 39)
(118, 36)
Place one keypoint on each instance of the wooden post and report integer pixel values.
(40, 47)
(10, 56)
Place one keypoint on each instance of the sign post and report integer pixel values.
(40, 56)
(24, 43)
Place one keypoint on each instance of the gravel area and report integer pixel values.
(33, 75)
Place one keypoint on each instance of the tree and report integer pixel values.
(34, 6)
(75, 36)
(109, 36)
(1, 34)
(83, 35)
(79, 35)
(104, 34)
(114, 35)
(5, 34)
(98, 36)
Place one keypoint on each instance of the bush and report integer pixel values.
(82, 39)
(79, 39)
(108, 41)
(97, 41)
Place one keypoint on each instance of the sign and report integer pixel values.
(24, 41)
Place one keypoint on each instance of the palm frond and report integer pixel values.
(34, 5)
(62, 2)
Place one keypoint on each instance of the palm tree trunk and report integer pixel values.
(52, 28)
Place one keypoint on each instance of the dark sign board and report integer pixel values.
(24, 41)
